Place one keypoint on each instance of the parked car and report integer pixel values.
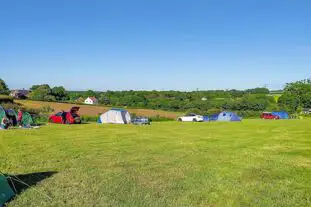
(141, 120)
(71, 117)
(191, 117)
(268, 115)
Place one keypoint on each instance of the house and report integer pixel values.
(91, 100)
(19, 94)
(79, 100)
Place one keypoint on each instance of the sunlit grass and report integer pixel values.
(252, 163)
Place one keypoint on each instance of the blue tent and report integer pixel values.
(225, 116)
(281, 114)
(205, 118)
(214, 117)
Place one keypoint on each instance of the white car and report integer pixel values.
(191, 117)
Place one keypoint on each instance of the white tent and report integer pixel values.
(115, 116)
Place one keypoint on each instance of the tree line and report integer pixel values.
(294, 98)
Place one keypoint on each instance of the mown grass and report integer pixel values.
(252, 163)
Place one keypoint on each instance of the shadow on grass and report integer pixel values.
(20, 183)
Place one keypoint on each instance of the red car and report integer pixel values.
(268, 115)
(71, 117)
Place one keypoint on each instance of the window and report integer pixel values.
(59, 114)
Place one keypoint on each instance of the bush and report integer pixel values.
(249, 114)
(6, 99)
(13, 106)
(42, 118)
(133, 115)
(160, 118)
(85, 118)
(194, 110)
(46, 109)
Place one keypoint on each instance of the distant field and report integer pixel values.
(95, 110)
(250, 163)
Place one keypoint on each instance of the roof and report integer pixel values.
(92, 98)
(20, 91)
(116, 109)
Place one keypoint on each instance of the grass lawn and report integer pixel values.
(252, 163)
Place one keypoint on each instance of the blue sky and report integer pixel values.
(155, 44)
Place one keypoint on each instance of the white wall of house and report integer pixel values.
(90, 101)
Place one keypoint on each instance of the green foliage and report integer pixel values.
(296, 94)
(159, 119)
(11, 105)
(39, 92)
(194, 110)
(5, 99)
(60, 93)
(90, 93)
(249, 114)
(258, 91)
(85, 118)
(4, 90)
(45, 93)
(46, 109)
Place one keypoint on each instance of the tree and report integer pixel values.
(296, 95)
(40, 92)
(90, 93)
(103, 99)
(4, 88)
(60, 93)
(258, 91)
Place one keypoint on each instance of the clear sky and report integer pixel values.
(155, 44)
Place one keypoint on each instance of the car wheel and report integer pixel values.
(194, 120)
(179, 119)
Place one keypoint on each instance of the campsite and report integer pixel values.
(78, 154)
(155, 103)
(248, 163)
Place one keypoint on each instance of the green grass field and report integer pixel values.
(252, 163)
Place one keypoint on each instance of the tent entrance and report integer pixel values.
(6, 192)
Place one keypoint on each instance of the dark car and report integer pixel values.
(141, 120)
(71, 117)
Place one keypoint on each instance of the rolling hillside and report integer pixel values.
(94, 110)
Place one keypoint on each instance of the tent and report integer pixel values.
(213, 117)
(2, 113)
(9, 114)
(27, 119)
(206, 118)
(281, 114)
(6, 192)
(225, 116)
(115, 116)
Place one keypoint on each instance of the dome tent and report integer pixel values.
(115, 116)
(226, 116)
(6, 192)
(281, 114)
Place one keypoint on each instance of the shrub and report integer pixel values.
(249, 114)
(46, 109)
(133, 115)
(85, 118)
(158, 118)
(13, 106)
(42, 118)
(6, 99)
